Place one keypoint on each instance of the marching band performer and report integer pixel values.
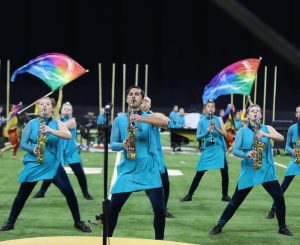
(212, 131)
(293, 148)
(141, 173)
(160, 158)
(71, 154)
(41, 138)
(252, 143)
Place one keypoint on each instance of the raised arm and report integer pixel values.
(155, 119)
(115, 137)
(237, 146)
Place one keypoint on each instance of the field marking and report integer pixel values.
(280, 165)
(86, 170)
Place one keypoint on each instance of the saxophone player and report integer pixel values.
(293, 148)
(212, 132)
(50, 169)
(160, 156)
(141, 173)
(249, 177)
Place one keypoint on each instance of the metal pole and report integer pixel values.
(7, 87)
(274, 93)
(265, 94)
(100, 86)
(113, 88)
(146, 79)
(124, 87)
(136, 75)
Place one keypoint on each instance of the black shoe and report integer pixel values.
(270, 215)
(216, 230)
(169, 215)
(81, 226)
(88, 196)
(285, 231)
(39, 195)
(226, 198)
(187, 198)
(7, 226)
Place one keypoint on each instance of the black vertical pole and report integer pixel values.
(105, 202)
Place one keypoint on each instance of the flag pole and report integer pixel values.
(7, 87)
(33, 103)
(231, 99)
(146, 79)
(113, 88)
(136, 74)
(100, 86)
(124, 87)
(265, 92)
(274, 93)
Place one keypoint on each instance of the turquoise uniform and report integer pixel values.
(101, 119)
(181, 121)
(53, 156)
(213, 155)
(237, 124)
(143, 172)
(292, 136)
(242, 146)
(173, 120)
(71, 151)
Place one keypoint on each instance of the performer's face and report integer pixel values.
(210, 108)
(135, 94)
(66, 110)
(45, 105)
(146, 104)
(254, 112)
(297, 114)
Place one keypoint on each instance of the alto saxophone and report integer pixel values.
(297, 148)
(258, 147)
(131, 139)
(212, 125)
(41, 142)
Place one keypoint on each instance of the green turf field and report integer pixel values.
(51, 217)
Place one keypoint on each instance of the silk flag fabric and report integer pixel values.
(237, 78)
(54, 69)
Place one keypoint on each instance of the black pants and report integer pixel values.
(272, 187)
(156, 198)
(165, 185)
(63, 184)
(284, 185)
(199, 175)
(79, 173)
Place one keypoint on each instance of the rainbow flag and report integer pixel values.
(237, 78)
(54, 69)
(15, 110)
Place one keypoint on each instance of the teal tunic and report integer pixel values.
(237, 124)
(173, 120)
(181, 121)
(33, 171)
(242, 146)
(213, 155)
(71, 151)
(143, 172)
(292, 136)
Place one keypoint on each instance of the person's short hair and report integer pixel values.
(137, 87)
(52, 100)
(254, 105)
(209, 101)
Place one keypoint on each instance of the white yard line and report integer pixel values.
(280, 165)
